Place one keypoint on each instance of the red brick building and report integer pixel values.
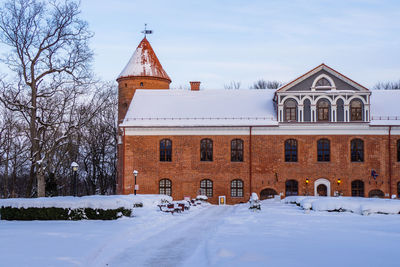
(321, 134)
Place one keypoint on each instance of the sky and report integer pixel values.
(217, 42)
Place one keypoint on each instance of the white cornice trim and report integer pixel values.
(293, 130)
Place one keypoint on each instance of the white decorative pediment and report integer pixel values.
(330, 71)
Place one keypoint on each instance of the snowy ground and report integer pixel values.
(279, 235)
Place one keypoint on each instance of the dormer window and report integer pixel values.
(323, 83)
(323, 110)
(290, 110)
(356, 110)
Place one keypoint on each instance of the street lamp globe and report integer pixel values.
(74, 166)
(135, 172)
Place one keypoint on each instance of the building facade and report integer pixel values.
(321, 134)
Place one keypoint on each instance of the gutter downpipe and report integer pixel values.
(123, 164)
(250, 160)
(390, 162)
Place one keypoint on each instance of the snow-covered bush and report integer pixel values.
(29, 214)
(75, 208)
(254, 202)
(359, 205)
(202, 198)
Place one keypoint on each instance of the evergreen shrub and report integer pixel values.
(29, 214)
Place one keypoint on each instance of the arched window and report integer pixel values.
(165, 187)
(324, 150)
(356, 110)
(376, 193)
(357, 188)
(398, 150)
(323, 110)
(237, 150)
(357, 150)
(206, 187)
(290, 110)
(307, 110)
(291, 150)
(206, 150)
(292, 188)
(267, 193)
(237, 188)
(323, 82)
(165, 150)
(340, 110)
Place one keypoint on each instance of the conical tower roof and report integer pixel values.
(144, 62)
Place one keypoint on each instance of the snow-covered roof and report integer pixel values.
(231, 108)
(144, 62)
(201, 108)
(385, 107)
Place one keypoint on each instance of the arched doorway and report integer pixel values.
(322, 187)
(322, 190)
(292, 188)
(357, 188)
(267, 193)
(376, 193)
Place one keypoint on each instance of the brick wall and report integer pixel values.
(126, 89)
(269, 169)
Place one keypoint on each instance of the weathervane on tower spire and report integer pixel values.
(146, 31)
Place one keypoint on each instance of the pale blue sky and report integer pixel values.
(216, 42)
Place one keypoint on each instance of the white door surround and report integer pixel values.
(324, 182)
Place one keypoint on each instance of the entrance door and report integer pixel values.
(267, 193)
(322, 190)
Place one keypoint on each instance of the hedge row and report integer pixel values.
(28, 214)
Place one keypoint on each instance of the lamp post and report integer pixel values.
(135, 173)
(75, 167)
(307, 182)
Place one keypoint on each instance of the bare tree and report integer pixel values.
(388, 85)
(98, 147)
(262, 84)
(51, 59)
(233, 85)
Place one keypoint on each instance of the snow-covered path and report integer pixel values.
(173, 244)
(278, 235)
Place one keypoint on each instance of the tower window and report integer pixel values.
(126, 85)
(141, 84)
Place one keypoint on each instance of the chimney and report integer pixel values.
(194, 86)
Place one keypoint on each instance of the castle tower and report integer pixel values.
(143, 71)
